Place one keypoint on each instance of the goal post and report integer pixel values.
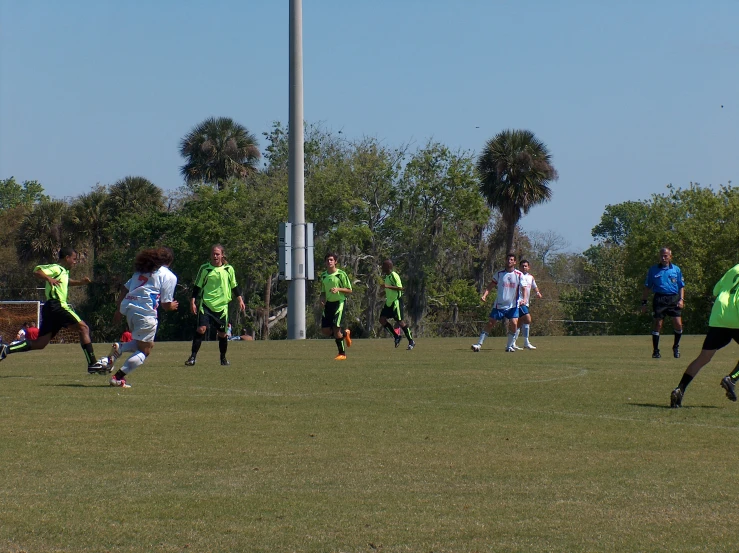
(14, 313)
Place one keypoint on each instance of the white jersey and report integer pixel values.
(527, 281)
(147, 290)
(509, 289)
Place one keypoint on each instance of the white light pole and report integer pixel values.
(296, 182)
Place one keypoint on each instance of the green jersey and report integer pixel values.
(60, 291)
(215, 285)
(393, 279)
(725, 312)
(337, 279)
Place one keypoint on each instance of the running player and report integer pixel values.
(335, 286)
(56, 312)
(524, 321)
(506, 303)
(151, 286)
(723, 327)
(393, 308)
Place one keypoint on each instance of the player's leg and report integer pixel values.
(512, 316)
(494, 317)
(656, 329)
(716, 339)
(198, 335)
(677, 326)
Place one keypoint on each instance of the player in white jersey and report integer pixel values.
(151, 286)
(506, 303)
(528, 285)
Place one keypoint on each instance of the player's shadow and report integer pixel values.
(664, 406)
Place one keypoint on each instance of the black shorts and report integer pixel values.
(333, 314)
(393, 311)
(54, 317)
(209, 317)
(719, 337)
(665, 305)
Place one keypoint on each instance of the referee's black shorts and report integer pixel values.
(665, 305)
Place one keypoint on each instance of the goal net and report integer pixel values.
(14, 313)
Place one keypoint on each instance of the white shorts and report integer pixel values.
(143, 327)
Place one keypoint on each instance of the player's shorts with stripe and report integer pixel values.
(54, 317)
(143, 327)
(393, 311)
(333, 314)
(523, 310)
(719, 337)
(500, 314)
(208, 317)
(665, 305)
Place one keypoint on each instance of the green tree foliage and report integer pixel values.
(14, 194)
(216, 150)
(515, 170)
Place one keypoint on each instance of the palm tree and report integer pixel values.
(217, 150)
(42, 232)
(89, 216)
(515, 170)
(135, 195)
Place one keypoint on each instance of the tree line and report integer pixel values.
(445, 217)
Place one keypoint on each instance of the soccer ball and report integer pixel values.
(105, 362)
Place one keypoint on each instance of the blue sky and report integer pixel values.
(627, 95)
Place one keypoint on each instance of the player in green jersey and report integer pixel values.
(56, 312)
(393, 308)
(723, 327)
(335, 286)
(215, 285)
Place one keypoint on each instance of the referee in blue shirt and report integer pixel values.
(666, 281)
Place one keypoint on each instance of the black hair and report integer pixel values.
(66, 251)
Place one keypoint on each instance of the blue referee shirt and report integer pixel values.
(665, 280)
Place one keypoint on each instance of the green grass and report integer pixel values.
(567, 448)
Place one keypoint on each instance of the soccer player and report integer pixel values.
(723, 327)
(56, 312)
(215, 285)
(393, 308)
(524, 319)
(335, 286)
(151, 286)
(666, 280)
(506, 303)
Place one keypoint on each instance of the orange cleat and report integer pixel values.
(340, 357)
(348, 338)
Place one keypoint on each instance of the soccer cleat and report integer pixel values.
(529, 346)
(397, 340)
(340, 357)
(728, 384)
(514, 346)
(114, 355)
(411, 345)
(676, 352)
(119, 383)
(225, 362)
(348, 338)
(97, 368)
(510, 350)
(475, 347)
(676, 398)
(655, 354)
(3, 351)
(190, 362)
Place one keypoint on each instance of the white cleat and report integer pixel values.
(514, 346)
(475, 347)
(119, 383)
(529, 346)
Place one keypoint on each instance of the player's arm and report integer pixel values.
(193, 300)
(680, 289)
(488, 288)
(169, 303)
(121, 296)
(79, 282)
(40, 272)
(395, 286)
(525, 292)
(535, 287)
(242, 305)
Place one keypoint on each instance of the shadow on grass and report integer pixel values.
(665, 406)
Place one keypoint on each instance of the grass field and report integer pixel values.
(571, 447)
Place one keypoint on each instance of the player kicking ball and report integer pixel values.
(151, 286)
